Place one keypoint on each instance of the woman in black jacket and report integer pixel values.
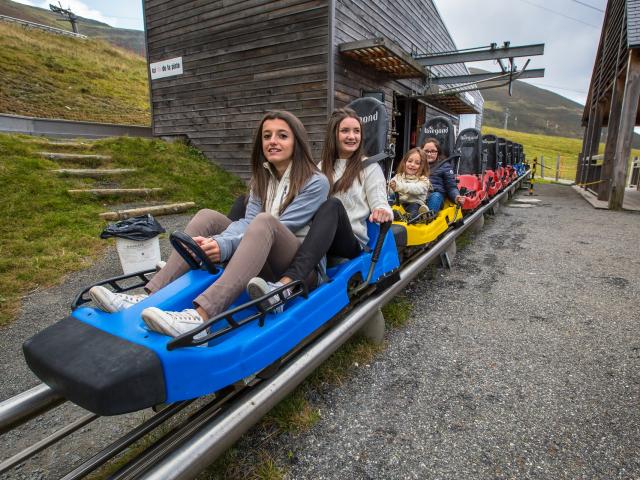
(442, 177)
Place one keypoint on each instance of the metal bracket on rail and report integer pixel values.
(82, 297)
(296, 288)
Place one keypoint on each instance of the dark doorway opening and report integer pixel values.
(405, 116)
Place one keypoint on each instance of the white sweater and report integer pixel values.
(361, 198)
(412, 189)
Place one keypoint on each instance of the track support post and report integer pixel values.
(446, 257)
(373, 329)
(476, 226)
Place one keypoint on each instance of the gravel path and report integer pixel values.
(521, 362)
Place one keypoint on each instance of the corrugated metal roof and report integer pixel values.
(383, 55)
(633, 23)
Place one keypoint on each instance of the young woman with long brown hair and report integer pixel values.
(358, 192)
(286, 189)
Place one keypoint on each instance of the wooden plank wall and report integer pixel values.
(412, 24)
(240, 59)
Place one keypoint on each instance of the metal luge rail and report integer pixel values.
(195, 443)
(125, 441)
(47, 442)
(27, 405)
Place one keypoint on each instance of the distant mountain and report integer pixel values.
(534, 110)
(132, 40)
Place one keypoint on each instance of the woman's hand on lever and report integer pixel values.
(380, 215)
(210, 247)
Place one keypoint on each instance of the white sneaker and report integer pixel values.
(173, 324)
(258, 287)
(111, 302)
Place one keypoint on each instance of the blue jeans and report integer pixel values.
(435, 201)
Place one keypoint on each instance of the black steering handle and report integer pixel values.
(191, 252)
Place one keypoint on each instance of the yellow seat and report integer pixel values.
(421, 233)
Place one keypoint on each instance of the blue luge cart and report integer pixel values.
(110, 363)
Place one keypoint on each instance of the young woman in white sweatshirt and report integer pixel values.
(358, 192)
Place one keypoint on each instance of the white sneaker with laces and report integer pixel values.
(173, 324)
(112, 302)
(258, 287)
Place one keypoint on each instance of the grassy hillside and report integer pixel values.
(47, 233)
(53, 76)
(534, 110)
(129, 39)
(550, 146)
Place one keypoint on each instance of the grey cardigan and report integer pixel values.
(296, 216)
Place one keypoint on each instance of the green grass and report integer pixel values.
(52, 76)
(47, 234)
(397, 312)
(535, 146)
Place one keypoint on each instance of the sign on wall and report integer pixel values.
(166, 68)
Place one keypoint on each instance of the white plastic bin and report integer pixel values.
(138, 255)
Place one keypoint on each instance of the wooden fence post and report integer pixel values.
(541, 166)
(558, 167)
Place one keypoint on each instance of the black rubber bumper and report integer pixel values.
(94, 369)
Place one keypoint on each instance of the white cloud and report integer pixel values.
(27, 2)
(77, 7)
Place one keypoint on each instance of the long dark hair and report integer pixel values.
(330, 152)
(437, 144)
(423, 171)
(302, 164)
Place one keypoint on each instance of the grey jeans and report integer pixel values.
(266, 249)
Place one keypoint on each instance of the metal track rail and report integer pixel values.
(125, 441)
(27, 405)
(211, 430)
(47, 442)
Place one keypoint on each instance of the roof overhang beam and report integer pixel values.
(490, 53)
(482, 77)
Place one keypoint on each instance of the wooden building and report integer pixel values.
(612, 103)
(217, 66)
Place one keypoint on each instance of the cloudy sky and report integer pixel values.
(570, 30)
(117, 13)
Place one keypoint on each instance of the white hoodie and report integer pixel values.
(361, 198)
